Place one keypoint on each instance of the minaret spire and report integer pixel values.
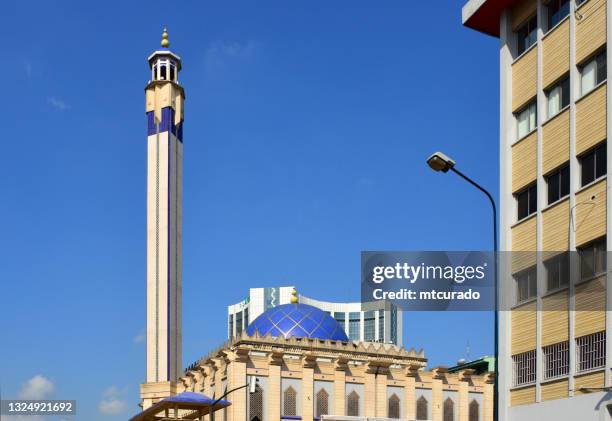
(164, 108)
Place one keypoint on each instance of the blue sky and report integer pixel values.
(307, 129)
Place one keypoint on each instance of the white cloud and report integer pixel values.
(113, 403)
(140, 338)
(221, 54)
(38, 387)
(58, 104)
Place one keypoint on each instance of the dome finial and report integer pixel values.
(164, 42)
(294, 298)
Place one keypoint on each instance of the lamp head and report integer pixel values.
(440, 162)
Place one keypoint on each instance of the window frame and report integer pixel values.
(563, 175)
(600, 60)
(599, 155)
(526, 25)
(559, 265)
(596, 249)
(530, 276)
(549, 16)
(532, 207)
(563, 85)
(532, 106)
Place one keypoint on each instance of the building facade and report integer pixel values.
(380, 322)
(555, 360)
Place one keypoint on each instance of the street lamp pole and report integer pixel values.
(440, 162)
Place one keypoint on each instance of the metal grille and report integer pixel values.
(556, 360)
(524, 368)
(256, 405)
(421, 409)
(591, 351)
(322, 403)
(475, 411)
(449, 410)
(352, 404)
(289, 401)
(394, 406)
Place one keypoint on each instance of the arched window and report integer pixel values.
(474, 411)
(421, 409)
(322, 407)
(352, 404)
(449, 410)
(256, 404)
(290, 401)
(393, 406)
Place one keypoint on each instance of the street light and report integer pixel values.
(440, 162)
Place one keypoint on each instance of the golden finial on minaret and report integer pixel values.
(164, 42)
(294, 298)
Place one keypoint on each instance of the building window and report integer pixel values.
(256, 404)
(557, 272)
(556, 360)
(524, 368)
(593, 164)
(558, 184)
(393, 324)
(593, 73)
(422, 411)
(231, 325)
(340, 318)
(393, 406)
(556, 10)
(369, 321)
(592, 259)
(527, 35)
(352, 404)
(526, 284)
(526, 120)
(322, 407)
(290, 402)
(527, 201)
(591, 351)
(579, 2)
(239, 323)
(474, 411)
(558, 97)
(449, 410)
(381, 325)
(246, 316)
(354, 322)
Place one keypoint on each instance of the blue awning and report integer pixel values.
(188, 405)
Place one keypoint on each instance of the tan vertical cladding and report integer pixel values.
(370, 394)
(307, 393)
(590, 28)
(523, 328)
(590, 213)
(555, 318)
(464, 401)
(339, 392)
(555, 227)
(381, 395)
(274, 387)
(523, 396)
(524, 245)
(524, 80)
(436, 400)
(593, 380)
(488, 403)
(555, 390)
(238, 378)
(555, 56)
(409, 397)
(591, 119)
(522, 11)
(555, 142)
(590, 314)
(524, 162)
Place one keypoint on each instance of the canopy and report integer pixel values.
(184, 406)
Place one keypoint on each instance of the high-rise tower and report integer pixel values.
(164, 109)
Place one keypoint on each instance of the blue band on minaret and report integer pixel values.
(166, 124)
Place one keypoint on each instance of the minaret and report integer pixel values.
(164, 108)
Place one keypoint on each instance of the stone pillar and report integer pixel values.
(275, 363)
(381, 392)
(487, 397)
(436, 400)
(370, 390)
(237, 376)
(340, 387)
(464, 381)
(308, 365)
(410, 392)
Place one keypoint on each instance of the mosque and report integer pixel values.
(292, 362)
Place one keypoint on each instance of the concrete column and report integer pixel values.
(381, 393)
(409, 401)
(463, 397)
(608, 379)
(339, 388)
(436, 399)
(237, 376)
(309, 363)
(370, 392)
(274, 386)
(487, 400)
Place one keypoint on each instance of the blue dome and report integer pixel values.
(297, 320)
